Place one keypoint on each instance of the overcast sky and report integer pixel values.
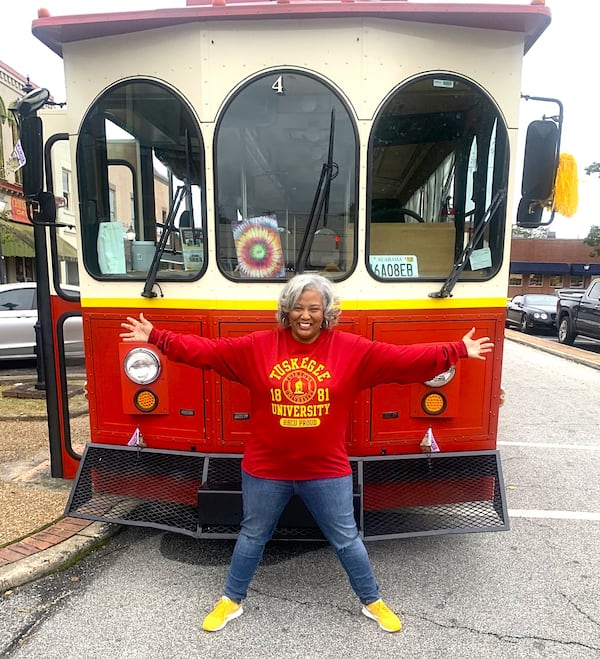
(562, 64)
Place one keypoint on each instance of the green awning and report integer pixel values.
(17, 240)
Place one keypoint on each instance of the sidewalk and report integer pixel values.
(50, 550)
(47, 542)
(67, 539)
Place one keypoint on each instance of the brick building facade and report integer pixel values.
(543, 265)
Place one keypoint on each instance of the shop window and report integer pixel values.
(576, 281)
(555, 281)
(66, 186)
(112, 203)
(536, 281)
(515, 280)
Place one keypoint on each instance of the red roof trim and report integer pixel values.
(529, 20)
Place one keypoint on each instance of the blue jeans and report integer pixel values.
(329, 500)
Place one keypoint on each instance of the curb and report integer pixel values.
(51, 549)
(571, 353)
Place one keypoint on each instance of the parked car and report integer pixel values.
(579, 313)
(532, 312)
(18, 316)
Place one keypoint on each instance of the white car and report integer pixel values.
(18, 315)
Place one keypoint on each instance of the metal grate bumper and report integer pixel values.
(200, 495)
(412, 495)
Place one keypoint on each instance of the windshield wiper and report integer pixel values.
(461, 262)
(168, 228)
(328, 172)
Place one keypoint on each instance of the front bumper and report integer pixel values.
(200, 494)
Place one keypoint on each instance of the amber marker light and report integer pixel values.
(145, 400)
(433, 403)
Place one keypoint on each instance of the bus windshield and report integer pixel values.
(438, 159)
(138, 145)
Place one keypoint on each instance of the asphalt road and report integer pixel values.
(526, 593)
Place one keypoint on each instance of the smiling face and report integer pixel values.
(307, 317)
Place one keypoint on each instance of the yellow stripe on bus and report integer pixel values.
(257, 305)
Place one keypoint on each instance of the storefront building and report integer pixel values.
(546, 264)
(17, 251)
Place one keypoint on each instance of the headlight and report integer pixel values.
(142, 366)
(542, 315)
(442, 379)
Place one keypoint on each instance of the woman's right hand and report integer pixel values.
(136, 330)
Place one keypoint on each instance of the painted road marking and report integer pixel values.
(541, 445)
(554, 514)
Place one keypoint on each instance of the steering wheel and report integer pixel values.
(410, 213)
(391, 214)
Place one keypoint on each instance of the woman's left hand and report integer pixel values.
(477, 348)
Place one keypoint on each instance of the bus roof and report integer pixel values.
(529, 20)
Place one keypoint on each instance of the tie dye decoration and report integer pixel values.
(258, 246)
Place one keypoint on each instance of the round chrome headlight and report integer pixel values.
(540, 314)
(442, 379)
(142, 366)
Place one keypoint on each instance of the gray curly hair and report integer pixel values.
(292, 291)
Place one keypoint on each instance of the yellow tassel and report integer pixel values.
(566, 197)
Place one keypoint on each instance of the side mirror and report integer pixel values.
(541, 160)
(33, 148)
(540, 167)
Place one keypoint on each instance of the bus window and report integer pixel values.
(438, 163)
(285, 162)
(140, 172)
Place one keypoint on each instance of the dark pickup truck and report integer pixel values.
(578, 313)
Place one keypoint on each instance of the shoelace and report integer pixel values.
(381, 607)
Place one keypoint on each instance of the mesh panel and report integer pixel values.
(438, 493)
(224, 473)
(139, 487)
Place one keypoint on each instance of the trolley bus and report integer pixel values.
(220, 148)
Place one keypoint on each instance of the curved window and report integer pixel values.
(285, 162)
(140, 172)
(438, 173)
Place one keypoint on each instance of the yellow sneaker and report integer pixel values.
(386, 618)
(224, 611)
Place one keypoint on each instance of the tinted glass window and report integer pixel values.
(594, 292)
(18, 299)
(438, 168)
(140, 167)
(285, 154)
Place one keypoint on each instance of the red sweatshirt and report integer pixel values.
(301, 392)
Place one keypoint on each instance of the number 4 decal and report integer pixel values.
(278, 87)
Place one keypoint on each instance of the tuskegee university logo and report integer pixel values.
(301, 397)
(299, 387)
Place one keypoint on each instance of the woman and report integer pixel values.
(301, 378)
